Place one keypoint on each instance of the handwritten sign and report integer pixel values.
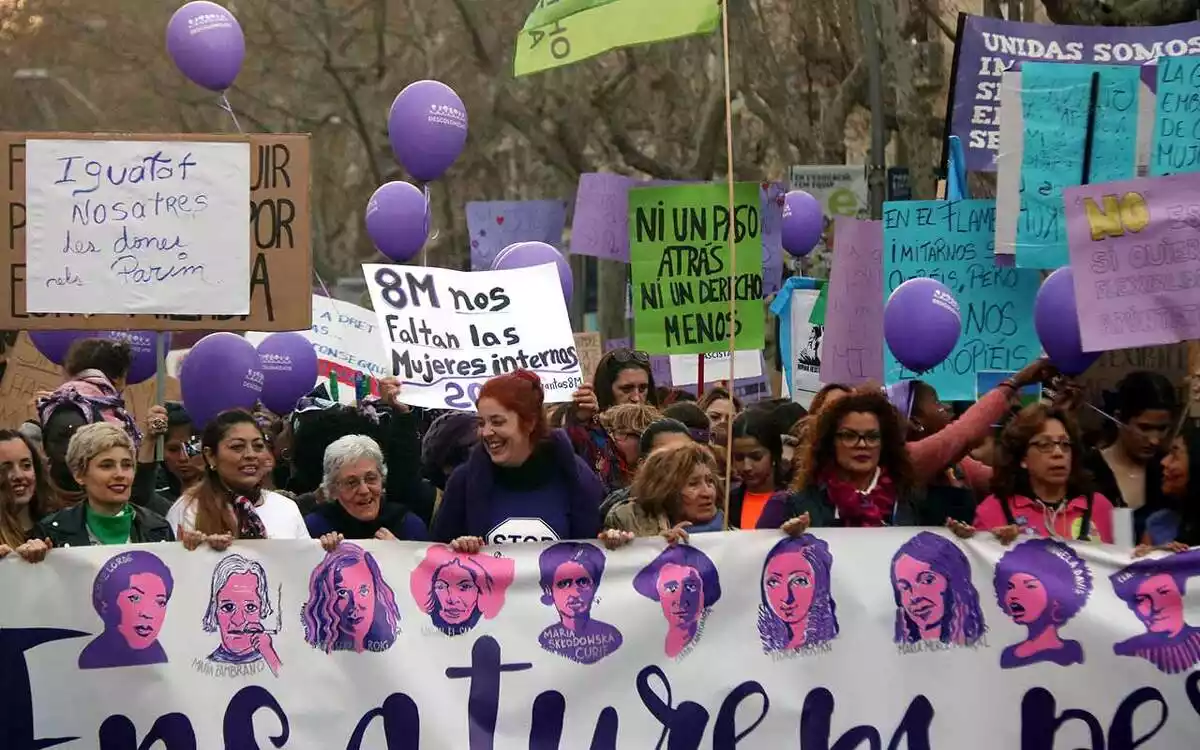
(494, 225)
(951, 241)
(680, 268)
(446, 332)
(346, 340)
(590, 349)
(1135, 254)
(1177, 117)
(1046, 147)
(279, 262)
(137, 227)
(853, 338)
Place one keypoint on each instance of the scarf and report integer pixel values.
(250, 526)
(871, 509)
(110, 529)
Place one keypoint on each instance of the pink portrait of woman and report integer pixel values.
(239, 601)
(130, 594)
(350, 606)
(797, 608)
(686, 585)
(1154, 590)
(456, 590)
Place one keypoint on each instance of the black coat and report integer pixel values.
(68, 528)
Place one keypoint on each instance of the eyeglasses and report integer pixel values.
(625, 356)
(851, 438)
(1047, 446)
(352, 484)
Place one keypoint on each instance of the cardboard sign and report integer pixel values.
(590, 349)
(280, 242)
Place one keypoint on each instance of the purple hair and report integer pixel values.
(587, 555)
(960, 602)
(1128, 580)
(1063, 573)
(822, 625)
(321, 619)
(114, 576)
(646, 581)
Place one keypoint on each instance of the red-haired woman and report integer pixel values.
(522, 482)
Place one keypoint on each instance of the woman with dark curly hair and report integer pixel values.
(1039, 487)
(856, 474)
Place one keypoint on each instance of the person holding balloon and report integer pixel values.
(228, 503)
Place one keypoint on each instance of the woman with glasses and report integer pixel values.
(1127, 469)
(354, 479)
(856, 474)
(623, 376)
(1040, 488)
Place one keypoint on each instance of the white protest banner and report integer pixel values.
(346, 340)
(685, 368)
(841, 639)
(137, 227)
(446, 332)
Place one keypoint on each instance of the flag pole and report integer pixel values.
(732, 243)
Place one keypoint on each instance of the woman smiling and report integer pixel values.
(26, 496)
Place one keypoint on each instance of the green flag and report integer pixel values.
(567, 31)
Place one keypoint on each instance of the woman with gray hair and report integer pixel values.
(353, 480)
(100, 457)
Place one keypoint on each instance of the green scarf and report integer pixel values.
(110, 529)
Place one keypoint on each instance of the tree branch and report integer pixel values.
(936, 18)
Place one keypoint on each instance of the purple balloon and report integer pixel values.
(529, 254)
(207, 44)
(921, 324)
(398, 220)
(145, 352)
(53, 344)
(220, 372)
(289, 368)
(803, 223)
(427, 126)
(1057, 324)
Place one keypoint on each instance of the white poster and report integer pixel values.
(867, 639)
(157, 227)
(685, 368)
(446, 332)
(346, 339)
(806, 347)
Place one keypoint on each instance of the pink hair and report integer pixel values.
(493, 575)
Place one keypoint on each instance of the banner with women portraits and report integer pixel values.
(841, 638)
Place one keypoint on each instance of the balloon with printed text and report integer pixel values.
(222, 371)
(207, 44)
(921, 324)
(803, 223)
(1057, 323)
(54, 345)
(529, 254)
(427, 127)
(289, 369)
(398, 220)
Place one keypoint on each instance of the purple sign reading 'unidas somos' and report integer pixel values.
(990, 46)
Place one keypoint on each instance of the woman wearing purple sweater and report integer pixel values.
(523, 482)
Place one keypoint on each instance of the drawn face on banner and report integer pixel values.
(935, 597)
(130, 593)
(797, 609)
(457, 590)
(573, 590)
(922, 591)
(239, 612)
(1154, 590)
(143, 607)
(457, 593)
(1159, 604)
(356, 600)
(681, 593)
(1042, 584)
(789, 583)
(1026, 599)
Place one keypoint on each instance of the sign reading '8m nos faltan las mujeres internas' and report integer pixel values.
(679, 248)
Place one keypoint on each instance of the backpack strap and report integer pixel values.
(1086, 526)
(1007, 508)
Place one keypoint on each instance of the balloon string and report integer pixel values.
(225, 105)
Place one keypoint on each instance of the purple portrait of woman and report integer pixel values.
(1154, 590)
(350, 607)
(1042, 584)
(130, 594)
(797, 608)
(570, 577)
(935, 598)
(685, 584)
(239, 601)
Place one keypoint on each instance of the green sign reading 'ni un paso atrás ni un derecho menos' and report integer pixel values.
(679, 249)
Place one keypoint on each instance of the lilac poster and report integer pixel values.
(494, 225)
(600, 226)
(1135, 257)
(853, 337)
(989, 46)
